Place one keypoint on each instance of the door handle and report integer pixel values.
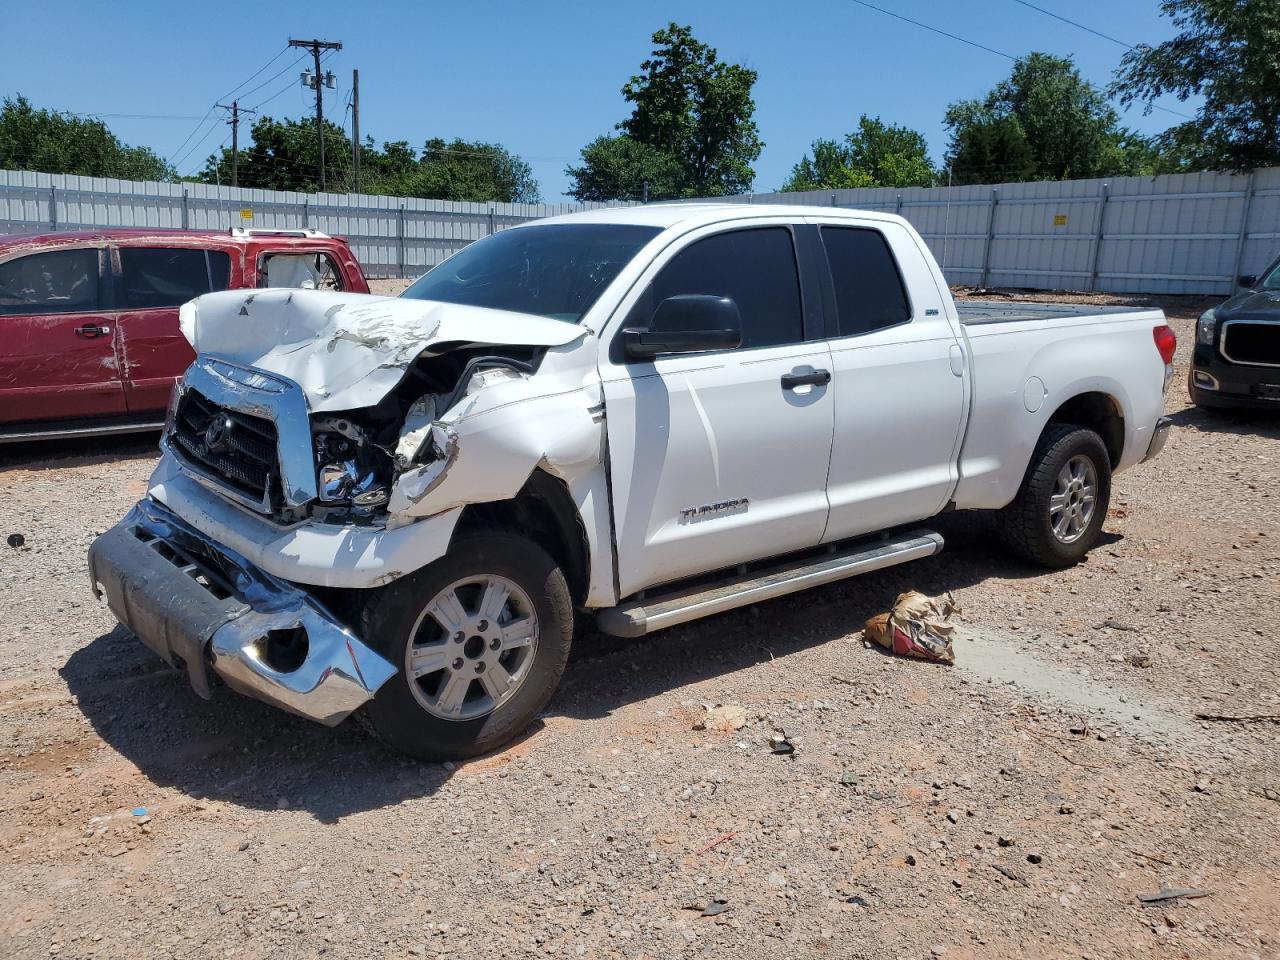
(91, 330)
(818, 378)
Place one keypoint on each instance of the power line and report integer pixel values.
(275, 76)
(1104, 36)
(980, 46)
(227, 96)
(290, 85)
(944, 33)
(1081, 26)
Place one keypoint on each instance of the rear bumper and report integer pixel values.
(1159, 437)
(203, 607)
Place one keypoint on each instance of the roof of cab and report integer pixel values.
(692, 213)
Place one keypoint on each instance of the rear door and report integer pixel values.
(57, 342)
(714, 459)
(899, 380)
(152, 282)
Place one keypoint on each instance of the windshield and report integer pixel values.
(1271, 281)
(556, 270)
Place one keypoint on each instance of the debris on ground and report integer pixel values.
(1174, 893)
(1009, 874)
(722, 718)
(916, 627)
(1233, 718)
(778, 743)
(16, 540)
(1110, 624)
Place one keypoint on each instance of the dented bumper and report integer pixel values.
(203, 607)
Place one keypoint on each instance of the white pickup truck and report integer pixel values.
(641, 416)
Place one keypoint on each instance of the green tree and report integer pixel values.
(875, 155)
(616, 167)
(1227, 51)
(991, 150)
(1070, 128)
(50, 141)
(283, 155)
(690, 133)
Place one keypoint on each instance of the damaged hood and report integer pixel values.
(348, 350)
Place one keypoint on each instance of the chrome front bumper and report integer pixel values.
(1159, 437)
(199, 605)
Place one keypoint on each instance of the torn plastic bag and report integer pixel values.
(916, 627)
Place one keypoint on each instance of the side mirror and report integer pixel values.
(689, 323)
(1246, 280)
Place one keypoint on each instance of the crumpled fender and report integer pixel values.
(490, 444)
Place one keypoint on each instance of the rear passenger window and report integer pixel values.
(303, 271)
(60, 281)
(869, 290)
(755, 268)
(166, 277)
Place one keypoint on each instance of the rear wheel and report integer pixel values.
(1059, 511)
(481, 637)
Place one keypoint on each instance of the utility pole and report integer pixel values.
(235, 137)
(355, 130)
(318, 82)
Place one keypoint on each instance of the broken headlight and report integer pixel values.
(349, 468)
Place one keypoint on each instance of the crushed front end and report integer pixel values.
(203, 607)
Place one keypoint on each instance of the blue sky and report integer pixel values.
(542, 78)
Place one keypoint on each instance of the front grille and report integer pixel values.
(238, 449)
(1252, 343)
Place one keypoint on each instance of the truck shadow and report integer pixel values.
(1262, 423)
(236, 750)
(78, 452)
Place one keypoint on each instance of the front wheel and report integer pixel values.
(481, 638)
(1058, 513)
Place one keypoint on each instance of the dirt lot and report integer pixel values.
(1015, 805)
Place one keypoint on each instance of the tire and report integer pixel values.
(426, 716)
(1027, 525)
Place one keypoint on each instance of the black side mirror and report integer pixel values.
(1246, 280)
(689, 323)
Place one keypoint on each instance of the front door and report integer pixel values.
(718, 458)
(153, 282)
(57, 343)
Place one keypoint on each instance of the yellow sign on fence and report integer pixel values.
(1059, 219)
(247, 214)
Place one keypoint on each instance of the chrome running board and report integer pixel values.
(635, 618)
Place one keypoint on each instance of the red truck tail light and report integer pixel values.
(1166, 342)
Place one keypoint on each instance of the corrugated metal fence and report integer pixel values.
(1181, 233)
(1184, 233)
(392, 236)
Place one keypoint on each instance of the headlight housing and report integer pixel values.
(1205, 326)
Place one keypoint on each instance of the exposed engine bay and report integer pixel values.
(360, 454)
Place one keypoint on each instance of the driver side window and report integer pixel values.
(756, 268)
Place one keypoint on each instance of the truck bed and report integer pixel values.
(977, 312)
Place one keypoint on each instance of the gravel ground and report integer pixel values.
(1015, 805)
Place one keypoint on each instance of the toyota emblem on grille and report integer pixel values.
(217, 435)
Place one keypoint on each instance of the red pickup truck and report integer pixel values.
(89, 339)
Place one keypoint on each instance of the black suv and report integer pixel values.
(1236, 362)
